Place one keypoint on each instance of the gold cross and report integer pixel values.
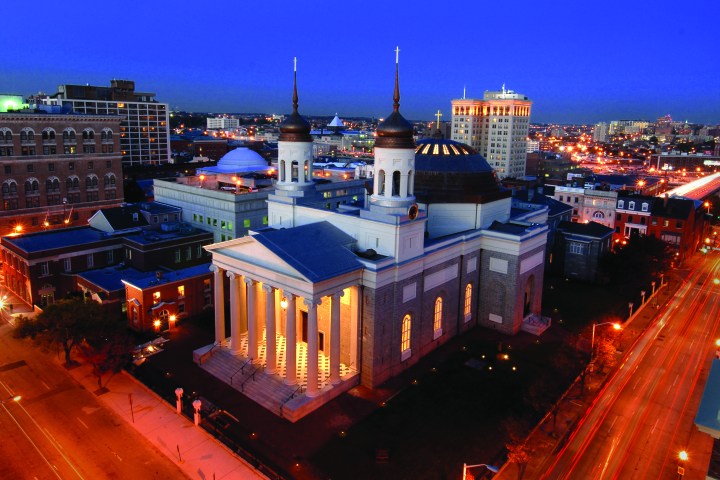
(438, 115)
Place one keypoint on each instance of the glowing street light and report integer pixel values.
(616, 326)
(14, 398)
(683, 457)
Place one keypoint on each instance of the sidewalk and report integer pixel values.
(197, 453)
(543, 442)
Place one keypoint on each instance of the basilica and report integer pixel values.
(330, 295)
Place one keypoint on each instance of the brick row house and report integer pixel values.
(680, 222)
(57, 170)
(121, 245)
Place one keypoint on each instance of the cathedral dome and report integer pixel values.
(395, 132)
(241, 160)
(452, 172)
(295, 129)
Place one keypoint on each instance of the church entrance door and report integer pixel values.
(304, 326)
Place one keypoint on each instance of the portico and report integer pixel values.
(295, 322)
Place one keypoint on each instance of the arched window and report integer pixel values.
(381, 182)
(8, 136)
(68, 135)
(9, 188)
(405, 337)
(437, 319)
(88, 134)
(31, 186)
(631, 205)
(73, 183)
(91, 181)
(599, 215)
(52, 185)
(23, 136)
(109, 181)
(396, 184)
(467, 310)
(621, 204)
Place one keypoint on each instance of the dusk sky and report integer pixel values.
(579, 62)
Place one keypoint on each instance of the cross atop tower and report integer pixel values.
(438, 115)
(397, 54)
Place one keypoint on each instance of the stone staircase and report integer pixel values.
(249, 379)
(271, 391)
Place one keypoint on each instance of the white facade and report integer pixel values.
(222, 123)
(600, 133)
(497, 127)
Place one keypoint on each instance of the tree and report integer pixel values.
(107, 349)
(518, 454)
(66, 324)
(604, 353)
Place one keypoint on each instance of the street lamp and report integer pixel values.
(642, 294)
(14, 398)
(616, 326)
(653, 286)
(630, 306)
(683, 457)
(466, 467)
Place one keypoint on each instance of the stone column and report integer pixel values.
(335, 338)
(290, 340)
(312, 348)
(403, 185)
(251, 320)
(389, 184)
(270, 337)
(219, 303)
(234, 313)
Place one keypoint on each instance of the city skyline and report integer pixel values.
(606, 62)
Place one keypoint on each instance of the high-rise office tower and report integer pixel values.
(145, 129)
(497, 127)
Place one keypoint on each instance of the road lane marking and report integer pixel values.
(654, 425)
(45, 385)
(37, 449)
(613, 423)
(82, 423)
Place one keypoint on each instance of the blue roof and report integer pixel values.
(110, 278)
(149, 279)
(60, 238)
(707, 414)
(318, 251)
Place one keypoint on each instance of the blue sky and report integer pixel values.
(580, 62)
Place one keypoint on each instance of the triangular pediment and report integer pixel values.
(250, 253)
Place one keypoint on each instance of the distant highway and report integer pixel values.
(644, 416)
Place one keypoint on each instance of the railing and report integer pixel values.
(208, 353)
(241, 369)
(251, 376)
(299, 390)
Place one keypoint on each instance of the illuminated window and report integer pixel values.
(405, 337)
(437, 319)
(468, 302)
(246, 223)
(181, 290)
(156, 297)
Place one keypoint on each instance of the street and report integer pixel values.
(644, 415)
(58, 429)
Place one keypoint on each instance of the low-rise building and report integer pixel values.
(57, 169)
